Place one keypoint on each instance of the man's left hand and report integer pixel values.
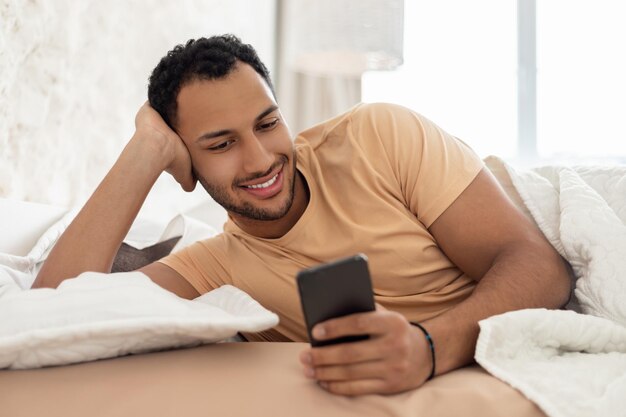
(395, 358)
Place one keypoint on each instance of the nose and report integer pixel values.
(256, 157)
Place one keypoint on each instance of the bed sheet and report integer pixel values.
(237, 379)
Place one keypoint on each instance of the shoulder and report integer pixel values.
(368, 113)
(364, 118)
(214, 247)
(380, 109)
(386, 117)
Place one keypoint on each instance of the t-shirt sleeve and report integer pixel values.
(431, 166)
(202, 263)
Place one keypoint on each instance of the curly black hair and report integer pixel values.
(199, 59)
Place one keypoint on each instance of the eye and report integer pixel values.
(221, 146)
(268, 124)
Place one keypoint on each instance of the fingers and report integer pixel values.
(386, 330)
(181, 166)
(374, 323)
(343, 353)
(364, 370)
(158, 136)
(393, 359)
(181, 171)
(359, 379)
(188, 185)
(359, 387)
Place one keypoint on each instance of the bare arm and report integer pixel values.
(515, 266)
(492, 242)
(93, 238)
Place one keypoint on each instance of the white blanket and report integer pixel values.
(570, 364)
(97, 316)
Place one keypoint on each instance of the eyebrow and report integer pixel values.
(217, 133)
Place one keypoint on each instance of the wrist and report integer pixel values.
(430, 346)
(156, 150)
(454, 339)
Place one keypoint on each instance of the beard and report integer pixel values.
(225, 199)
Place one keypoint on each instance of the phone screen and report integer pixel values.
(335, 289)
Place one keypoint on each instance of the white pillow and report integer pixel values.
(30, 230)
(97, 316)
(22, 223)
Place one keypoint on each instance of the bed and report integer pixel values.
(236, 379)
(529, 363)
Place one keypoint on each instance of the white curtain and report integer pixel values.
(324, 46)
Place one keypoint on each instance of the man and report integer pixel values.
(446, 247)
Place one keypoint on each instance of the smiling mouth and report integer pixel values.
(266, 184)
(270, 187)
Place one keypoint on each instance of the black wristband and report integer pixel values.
(432, 348)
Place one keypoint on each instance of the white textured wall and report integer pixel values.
(74, 72)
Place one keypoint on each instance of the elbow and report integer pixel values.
(553, 274)
(563, 279)
(549, 274)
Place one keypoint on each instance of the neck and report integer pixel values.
(273, 229)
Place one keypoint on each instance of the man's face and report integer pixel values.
(240, 147)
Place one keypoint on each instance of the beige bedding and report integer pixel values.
(237, 379)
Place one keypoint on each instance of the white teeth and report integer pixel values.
(265, 184)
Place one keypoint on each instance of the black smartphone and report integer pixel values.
(335, 289)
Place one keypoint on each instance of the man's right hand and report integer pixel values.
(93, 238)
(152, 131)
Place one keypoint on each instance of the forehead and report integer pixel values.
(228, 103)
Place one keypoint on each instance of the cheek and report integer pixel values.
(281, 143)
(215, 170)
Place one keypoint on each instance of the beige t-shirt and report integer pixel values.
(379, 176)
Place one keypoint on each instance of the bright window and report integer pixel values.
(581, 79)
(461, 71)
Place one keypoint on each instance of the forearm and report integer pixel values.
(94, 236)
(522, 277)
